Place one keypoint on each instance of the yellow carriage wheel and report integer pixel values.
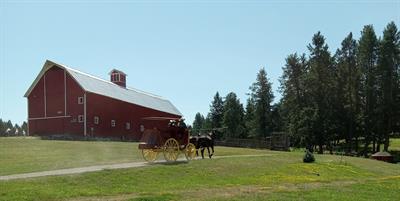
(171, 150)
(190, 151)
(149, 155)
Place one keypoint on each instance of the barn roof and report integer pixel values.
(106, 88)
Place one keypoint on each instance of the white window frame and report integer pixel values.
(116, 77)
(80, 100)
(96, 120)
(128, 126)
(80, 118)
(113, 123)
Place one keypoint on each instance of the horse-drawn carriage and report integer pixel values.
(171, 141)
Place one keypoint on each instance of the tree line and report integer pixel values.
(348, 99)
(228, 115)
(7, 128)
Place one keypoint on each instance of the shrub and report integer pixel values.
(308, 157)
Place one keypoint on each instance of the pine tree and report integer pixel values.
(24, 128)
(294, 104)
(216, 111)
(388, 69)
(9, 127)
(207, 125)
(277, 122)
(198, 123)
(320, 86)
(261, 93)
(367, 62)
(233, 117)
(17, 130)
(2, 128)
(249, 119)
(348, 88)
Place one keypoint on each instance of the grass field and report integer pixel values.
(269, 176)
(394, 144)
(22, 155)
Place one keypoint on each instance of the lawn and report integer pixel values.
(394, 144)
(269, 176)
(29, 154)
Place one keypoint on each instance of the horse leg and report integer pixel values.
(202, 152)
(208, 150)
(212, 148)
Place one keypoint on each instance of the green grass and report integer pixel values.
(20, 155)
(394, 144)
(274, 176)
(29, 154)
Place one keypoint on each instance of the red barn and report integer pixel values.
(62, 100)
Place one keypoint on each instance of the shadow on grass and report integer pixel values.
(162, 197)
(170, 163)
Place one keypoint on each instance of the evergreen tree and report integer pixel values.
(388, 69)
(348, 88)
(216, 111)
(198, 123)
(367, 62)
(9, 127)
(207, 123)
(249, 118)
(277, 122)
(294, 101)
(320, 86)
(233, 117)
(17, 130)
(24, 128)
(261, 93)
(2, 128)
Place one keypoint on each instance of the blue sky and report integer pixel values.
(184, 51)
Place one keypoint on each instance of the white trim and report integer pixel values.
(65, 92)
(44, 93)
(54, 117)
(27, 119)
(84, 114)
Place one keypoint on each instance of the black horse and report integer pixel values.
(203, 141)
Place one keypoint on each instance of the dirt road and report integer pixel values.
(104, 167)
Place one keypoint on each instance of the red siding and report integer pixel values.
(36, 101)
(73, 108)
(55, 92)
(61, 121)
(56, 120)
(108, 109)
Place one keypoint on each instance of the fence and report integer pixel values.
(277, 141)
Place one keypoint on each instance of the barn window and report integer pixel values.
(80, 100)
(142, 128)
(128, 125)
(115, 77)
(112, 123)
(80, 118)
(96, 120)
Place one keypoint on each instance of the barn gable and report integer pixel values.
(99, 86)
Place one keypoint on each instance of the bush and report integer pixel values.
(308, 157)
